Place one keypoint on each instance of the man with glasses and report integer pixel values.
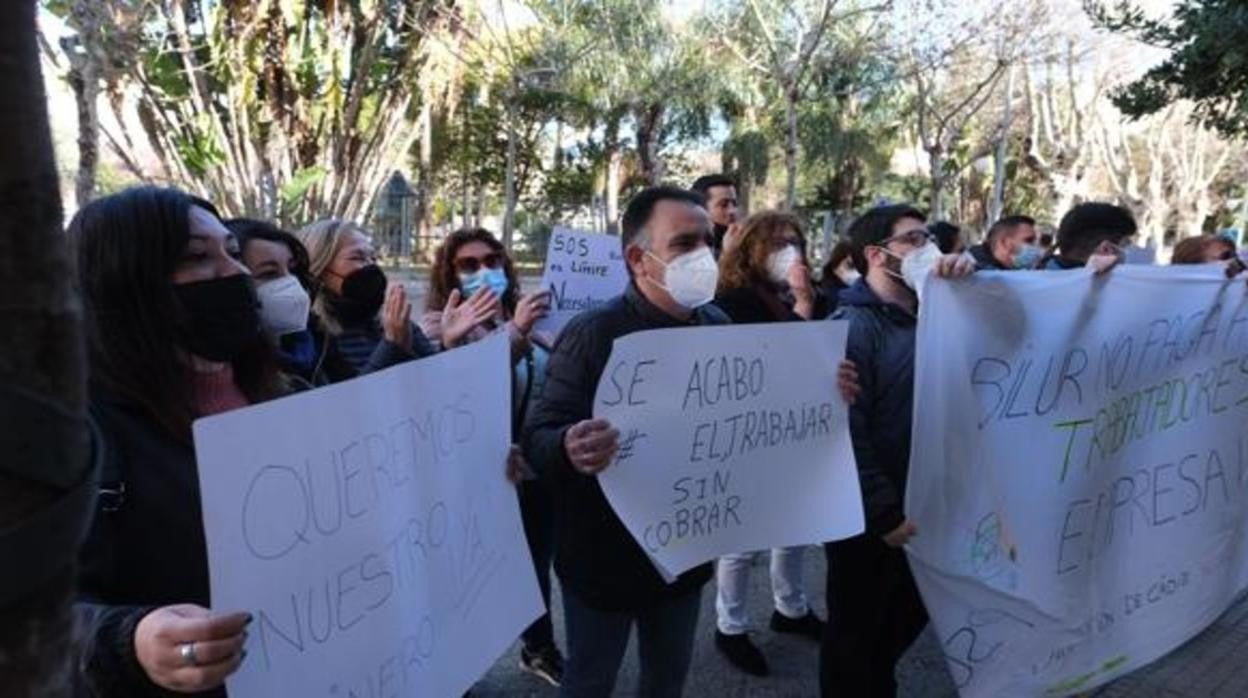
(874, 609)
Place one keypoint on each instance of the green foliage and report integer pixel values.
(1208, 64)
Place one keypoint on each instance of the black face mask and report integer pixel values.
(363, 293)
(222, 317)
(718, 230)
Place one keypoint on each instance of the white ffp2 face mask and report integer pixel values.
(691, 278)
(916, 265)
(780, 262)
(284, 306)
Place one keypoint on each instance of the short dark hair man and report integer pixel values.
(874, 609)
(720, 191)
(1092, 234)
(948, 237)
(609, 583)
(1011, 243)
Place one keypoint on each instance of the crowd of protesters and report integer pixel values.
(190, 315)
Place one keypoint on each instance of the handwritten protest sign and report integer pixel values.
(583, 271)
(733, 439)
(369, 529)
(1079, 472)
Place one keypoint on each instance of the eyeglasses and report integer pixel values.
(915, 237)
(471, 265)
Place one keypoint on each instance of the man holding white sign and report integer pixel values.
(609, 582)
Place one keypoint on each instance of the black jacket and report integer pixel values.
(984, 261)
(754, 304)
(595, 556)
(145, 548)
(881, 345)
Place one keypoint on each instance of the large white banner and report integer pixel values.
(1079, 472)
(732, 439)
(583, 271)
(369, 529)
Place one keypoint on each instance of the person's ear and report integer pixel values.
(634, 256)
(873, 255)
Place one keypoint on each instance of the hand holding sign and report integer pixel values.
(530, 309)
(901, 535)
(591, 444)
(216, 643)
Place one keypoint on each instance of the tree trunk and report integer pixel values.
(424, 219)
(649, 118)
(611, 144)
(939, 183)
(997, 204)
(790, 149)
(84, 79)
(509, 185)
(558, 159)
(41, 361)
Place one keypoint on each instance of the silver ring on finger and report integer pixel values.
(187, 652)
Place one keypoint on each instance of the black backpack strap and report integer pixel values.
(518, 415)
(110, 480)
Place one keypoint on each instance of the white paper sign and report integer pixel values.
(369, 529)
(732, 439)
(583, 271)
(1079, 471)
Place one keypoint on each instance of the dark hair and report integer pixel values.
(1087, 225)
(641, 207)
(876, 226)
(946, 235)
(746, 263)
(128, 246)
(842, 251)
(248, 229)
(443, 278)
(705, 183)
(1007, 224)
(1192, 250)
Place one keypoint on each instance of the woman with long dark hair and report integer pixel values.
(764, 278)
(281, 269)
(468, 262)
(173, 334)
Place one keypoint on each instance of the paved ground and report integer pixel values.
(1214, 665)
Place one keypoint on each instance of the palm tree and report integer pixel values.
(42, 371)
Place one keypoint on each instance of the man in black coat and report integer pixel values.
(609, 584)
(874, 609)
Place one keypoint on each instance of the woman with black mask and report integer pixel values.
(351, 290)
(173, 334)
(280, 267)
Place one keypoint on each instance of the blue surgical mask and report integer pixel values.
(1027, 257)
(493, 279)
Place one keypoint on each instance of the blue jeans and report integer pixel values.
(597, 640)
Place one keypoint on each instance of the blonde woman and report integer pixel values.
(372, 324)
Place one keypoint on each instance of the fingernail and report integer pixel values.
(242, 656)
(249, 619)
